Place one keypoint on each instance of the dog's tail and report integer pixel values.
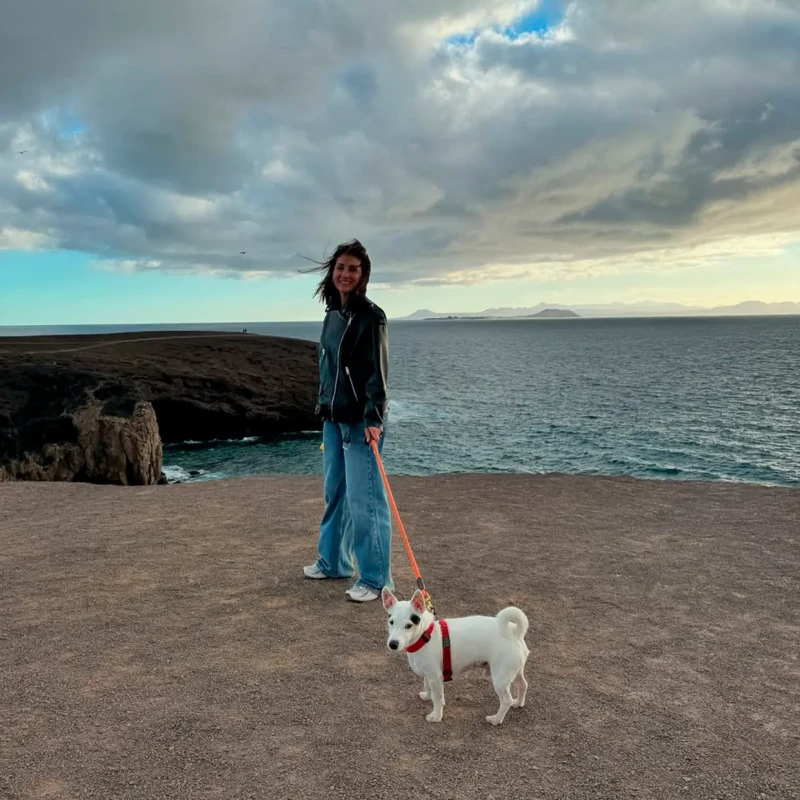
(513, 623)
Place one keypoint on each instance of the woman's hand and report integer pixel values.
(372, 435)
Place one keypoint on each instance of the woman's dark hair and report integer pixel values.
(326, 291)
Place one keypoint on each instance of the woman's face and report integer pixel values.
(346, 274)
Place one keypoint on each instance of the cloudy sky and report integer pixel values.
(487, 153)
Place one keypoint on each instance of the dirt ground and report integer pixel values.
(159, 642)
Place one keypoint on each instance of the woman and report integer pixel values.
(353, 370)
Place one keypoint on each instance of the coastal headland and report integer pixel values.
(98, 408)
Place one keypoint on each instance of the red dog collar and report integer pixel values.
(422, 641)
(447, 665)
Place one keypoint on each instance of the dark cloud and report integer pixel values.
(179, 132)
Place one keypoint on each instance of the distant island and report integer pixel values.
(638, 309)
(545, 313)
(553, 313)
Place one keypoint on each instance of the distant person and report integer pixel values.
(353, 372)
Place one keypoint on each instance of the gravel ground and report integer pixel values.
(159, 642)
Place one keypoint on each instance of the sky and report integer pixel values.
(487, 154)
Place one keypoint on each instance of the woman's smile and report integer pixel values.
(347, 274)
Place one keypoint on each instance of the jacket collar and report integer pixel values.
(353, 305)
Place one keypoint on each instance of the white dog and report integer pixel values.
(437, 652)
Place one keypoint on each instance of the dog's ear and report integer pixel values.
(388, 598)
(418, 602)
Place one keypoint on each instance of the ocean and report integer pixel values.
(714, 398)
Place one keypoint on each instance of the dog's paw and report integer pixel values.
(517, 704)
(424, 695)
(434, 717)
(494, 719)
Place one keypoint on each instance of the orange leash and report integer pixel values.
(414, 567)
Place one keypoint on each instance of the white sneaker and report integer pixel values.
(361, 594)
(314, 572)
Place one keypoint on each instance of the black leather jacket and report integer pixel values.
(354, 364)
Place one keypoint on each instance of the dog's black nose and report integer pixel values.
(393, 645)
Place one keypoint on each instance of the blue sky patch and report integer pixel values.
(547, 15)
(67, 124)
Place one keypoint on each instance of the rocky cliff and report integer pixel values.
(97, 408)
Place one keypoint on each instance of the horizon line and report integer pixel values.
(463, 317)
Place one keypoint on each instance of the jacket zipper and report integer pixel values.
(349, 377)
(339, 365)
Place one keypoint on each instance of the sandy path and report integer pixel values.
(111, 342)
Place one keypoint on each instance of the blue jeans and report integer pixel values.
(357, 521)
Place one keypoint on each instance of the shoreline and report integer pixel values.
(220, 475)
(543, 475)
(476, 475)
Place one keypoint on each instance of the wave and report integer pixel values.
(404, 410)
(174, 474)
(197, 444)
(177, 474)
(209, 442)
